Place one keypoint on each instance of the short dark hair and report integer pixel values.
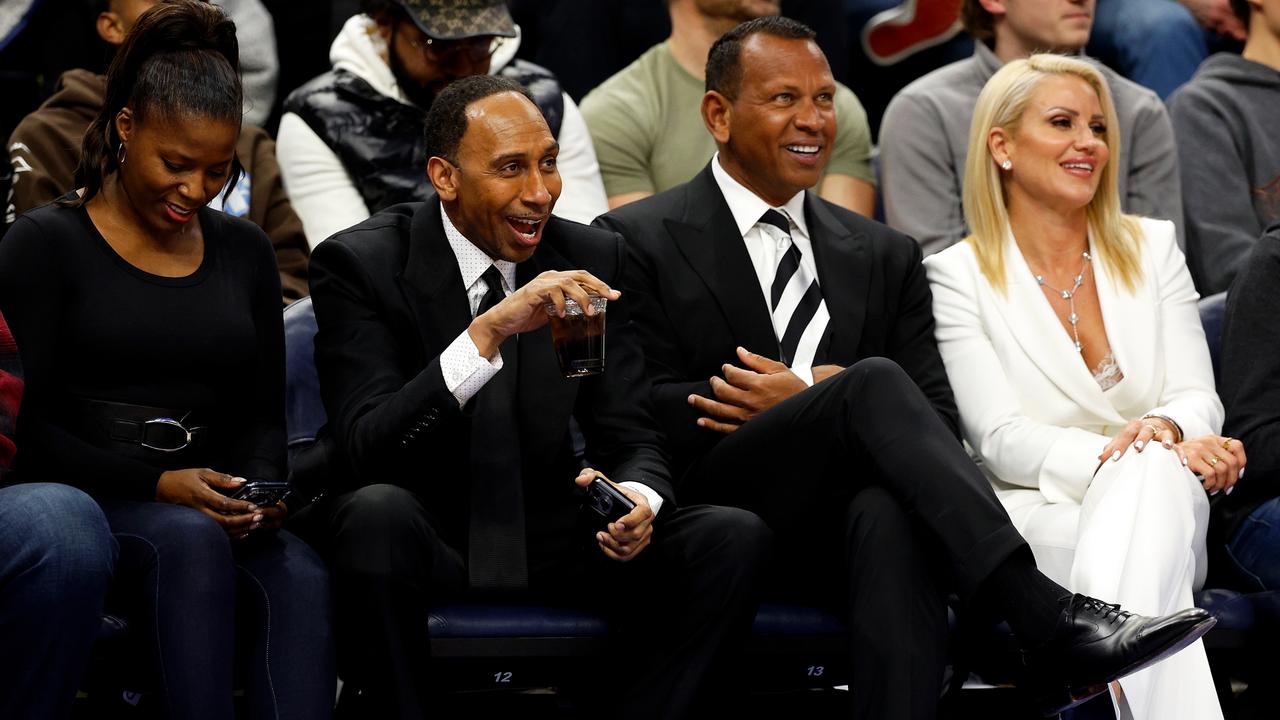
(447, 119)
(979, 23)
(724, 61)
(181, 57)
(1241, 9)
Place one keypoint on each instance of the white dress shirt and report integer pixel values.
(765, 252)
(464, 369)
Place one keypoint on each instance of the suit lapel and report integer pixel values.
(1131, 332)
(431, 282)
(708, 238)
(1042, 337)
(844, 274)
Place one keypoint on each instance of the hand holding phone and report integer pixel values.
(622, 516)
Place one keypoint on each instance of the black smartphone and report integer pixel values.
(605, 503)
(263, 493)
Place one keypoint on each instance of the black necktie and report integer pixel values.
(801, 316)
(496, 552)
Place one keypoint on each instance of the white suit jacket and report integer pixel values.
(1029, 407)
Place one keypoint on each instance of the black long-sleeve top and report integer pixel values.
(1250, 382)
(90, 325)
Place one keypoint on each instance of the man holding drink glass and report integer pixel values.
(442, 388)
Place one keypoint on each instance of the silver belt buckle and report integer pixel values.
(169, 422)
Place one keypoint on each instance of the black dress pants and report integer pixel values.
(690, 597)
(860, 473)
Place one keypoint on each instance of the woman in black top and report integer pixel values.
(151, 332)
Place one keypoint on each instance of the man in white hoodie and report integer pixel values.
(351, 140)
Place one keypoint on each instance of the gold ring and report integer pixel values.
(1213, 460)
(1226, 444)
(1154, 430)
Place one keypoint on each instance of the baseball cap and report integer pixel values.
(457, 19)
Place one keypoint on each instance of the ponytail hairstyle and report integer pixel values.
(180, 58)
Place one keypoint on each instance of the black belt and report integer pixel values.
(165, 430)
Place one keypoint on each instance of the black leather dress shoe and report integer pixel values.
(1096, 643)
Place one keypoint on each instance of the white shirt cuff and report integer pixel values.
(655, 500)
(465, 370)
(805, 373)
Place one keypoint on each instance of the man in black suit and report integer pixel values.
(827, 410)
(443, 391)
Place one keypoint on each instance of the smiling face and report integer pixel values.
(776, 136)
(1058, 150)
(173, 165)
(501, 192)
(1027, 26)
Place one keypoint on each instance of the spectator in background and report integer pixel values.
(259, 66)
(1244, 529)
(1160, 43)
(924, 136)
(648, 130)
(56, 558)
(44, 152)
(151, 334)
(1227, 120)
(1094, 436)
(351, 140)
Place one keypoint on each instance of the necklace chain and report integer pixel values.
(1070, 297)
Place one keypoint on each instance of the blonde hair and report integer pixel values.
(1001, 104)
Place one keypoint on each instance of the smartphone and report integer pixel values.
(605, 503)
(263, 493)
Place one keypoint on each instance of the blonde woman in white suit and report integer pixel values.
(1072, 340)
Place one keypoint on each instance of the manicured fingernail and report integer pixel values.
(1215, 492)
(1167, 445)
(238, 480)
(253, 508)
(1184, 462)
(599, 537)
(1241, 475)
(690, 399)
(257, 518)
(1115, 456)
(1228, 491)
(1138, 444)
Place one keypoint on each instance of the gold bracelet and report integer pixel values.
(1177, 429)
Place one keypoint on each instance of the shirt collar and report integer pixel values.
(747, 207)
(472, 261)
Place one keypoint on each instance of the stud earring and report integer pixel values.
(1006, 165)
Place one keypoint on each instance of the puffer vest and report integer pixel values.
(380, 140)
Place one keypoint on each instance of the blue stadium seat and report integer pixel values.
(1213, 310)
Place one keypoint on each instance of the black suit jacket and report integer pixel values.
(695, 298)
(389, 299)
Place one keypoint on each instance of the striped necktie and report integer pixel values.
(800, 318)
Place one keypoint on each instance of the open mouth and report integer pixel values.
(526, 228)
(809, 150)
(1082, 169)
(179, 214)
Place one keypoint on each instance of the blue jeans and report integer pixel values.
(196, 596)
(1255, 548)
(1156, 43)
(56, 559)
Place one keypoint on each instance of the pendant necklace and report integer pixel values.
(1070, 297)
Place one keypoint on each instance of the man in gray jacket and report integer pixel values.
(924, 137)
(1229, 150)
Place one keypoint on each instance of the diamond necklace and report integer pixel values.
(1070, 297)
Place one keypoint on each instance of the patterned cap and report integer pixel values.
(456, 19)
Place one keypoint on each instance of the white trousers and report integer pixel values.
(1138, 539)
